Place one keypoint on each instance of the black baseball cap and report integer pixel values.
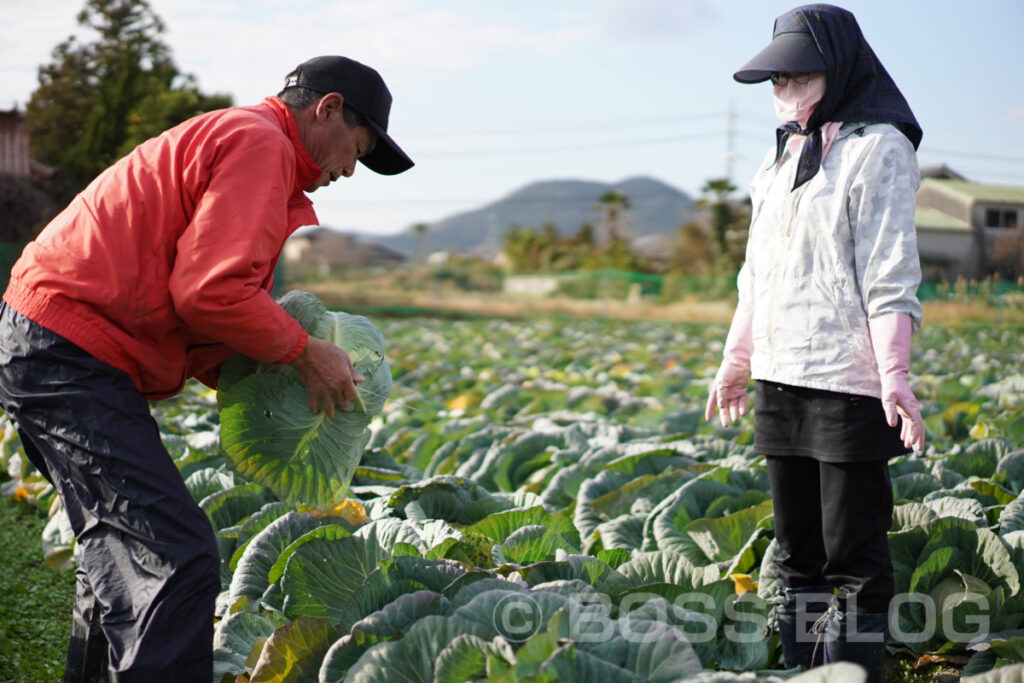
(792, 50)
(364, 90)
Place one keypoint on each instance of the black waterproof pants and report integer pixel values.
(831, 523)
(147, 558)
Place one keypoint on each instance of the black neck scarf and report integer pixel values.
(810, 155)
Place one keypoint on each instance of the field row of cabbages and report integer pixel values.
(543, 501)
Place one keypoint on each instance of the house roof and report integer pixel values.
(976, 192)
(940, 171)
(927, 218)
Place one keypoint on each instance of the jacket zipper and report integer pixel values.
(790, 217)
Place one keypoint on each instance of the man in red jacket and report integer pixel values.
(156, 273)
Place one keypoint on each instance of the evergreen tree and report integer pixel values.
(96, 100)
(693, 253)
(164, 109)
(518, 247)
(585, 236)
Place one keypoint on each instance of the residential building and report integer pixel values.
(326, 248)
(963, 227)
(14, 155)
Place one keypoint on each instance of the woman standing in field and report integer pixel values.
(827, 306)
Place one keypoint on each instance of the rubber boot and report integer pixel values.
(796, 613)
(861, 641)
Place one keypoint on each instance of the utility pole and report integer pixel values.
(730, 140)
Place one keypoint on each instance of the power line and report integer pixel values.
(974, 155)
(765, 139)
(564, 148)
(534, 198)
(539, 127)
(976, 176)
(924, 151)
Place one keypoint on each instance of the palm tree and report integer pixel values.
(420, 230)
(716, 200)
(613, 206)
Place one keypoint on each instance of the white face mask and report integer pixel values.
(796, 101)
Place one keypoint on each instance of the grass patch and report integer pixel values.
(961, 313)
(35, 601)
(383, 298)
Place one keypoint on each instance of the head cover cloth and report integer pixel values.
(365, 92)
(857, 86)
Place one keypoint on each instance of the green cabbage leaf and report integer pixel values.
(269, 434)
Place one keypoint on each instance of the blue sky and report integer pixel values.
(490, 96)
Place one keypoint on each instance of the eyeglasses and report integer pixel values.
(780, 78)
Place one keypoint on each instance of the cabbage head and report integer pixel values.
(267, 430)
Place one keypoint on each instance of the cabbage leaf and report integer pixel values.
(269, 434)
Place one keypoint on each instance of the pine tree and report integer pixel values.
(97, 100)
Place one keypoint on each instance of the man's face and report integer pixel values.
(334, 146)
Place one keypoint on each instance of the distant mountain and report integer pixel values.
(654, 208)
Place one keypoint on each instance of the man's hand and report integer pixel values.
(327, 373)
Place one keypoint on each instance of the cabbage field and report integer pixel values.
(543, 501)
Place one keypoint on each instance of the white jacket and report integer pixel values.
(825, 257)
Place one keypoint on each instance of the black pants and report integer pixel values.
(147, 574)
(831, 523)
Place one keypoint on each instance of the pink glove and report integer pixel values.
(890, 338)
(729, 388)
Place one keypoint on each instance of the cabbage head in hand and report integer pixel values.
(267, 430)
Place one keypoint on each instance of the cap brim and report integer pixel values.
(793, 52)
(387, 158)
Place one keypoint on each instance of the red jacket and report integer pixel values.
(162, 266)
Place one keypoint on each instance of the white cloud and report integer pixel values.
(1015, 115)
(246, 48)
